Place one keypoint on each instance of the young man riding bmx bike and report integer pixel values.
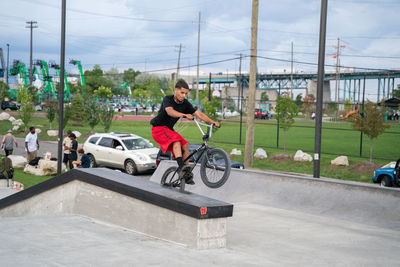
(172, 108)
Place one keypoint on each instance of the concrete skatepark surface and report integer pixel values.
(268, 228)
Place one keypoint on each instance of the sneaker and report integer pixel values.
(186, 173)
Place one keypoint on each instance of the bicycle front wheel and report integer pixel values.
(215, 168)
(169, 176)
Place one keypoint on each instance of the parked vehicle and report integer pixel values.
(125, 151)
(168, 156)
(259, 114)
(388, 175)
(7, 103)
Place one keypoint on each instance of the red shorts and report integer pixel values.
(165, 137)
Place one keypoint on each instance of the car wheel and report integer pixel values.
(130, 167)
(386, 181)
(92, 161)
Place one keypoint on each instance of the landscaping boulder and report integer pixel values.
(45, 167)
(260, 154)
(301, 156)
(38, 131)
(18, 122)
(77, 134)
(236, 152)
(15, 128)
(18, 162)
(11, 119)
(52, 132)
(4, 116)
(340, 161)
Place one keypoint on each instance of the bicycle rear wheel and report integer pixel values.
(215, 168)
(170, 177)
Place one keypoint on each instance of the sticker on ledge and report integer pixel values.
(203, 210)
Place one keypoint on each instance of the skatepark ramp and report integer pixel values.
(349, 201)
(128, 201)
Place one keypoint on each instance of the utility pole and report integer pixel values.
(320, 85)
(31, 25)
(291, 75)
(198, 63)
(179, 63)
(61, 91)
(337, 71)
(8, 61)
(240, 81)
(248, 154)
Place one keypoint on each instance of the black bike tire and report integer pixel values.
(203, 168)
(166, 173)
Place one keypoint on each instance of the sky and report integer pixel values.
(145, 35)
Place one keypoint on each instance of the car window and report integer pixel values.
(105, 141)
(136, 143)
(115, 143)
(93, 140)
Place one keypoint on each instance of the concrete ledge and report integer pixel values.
(128, 201)
(357, 202)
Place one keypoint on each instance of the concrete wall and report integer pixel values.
(77, 197)
(356, 202)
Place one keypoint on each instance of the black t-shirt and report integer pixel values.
(163, 119)
(74, 145)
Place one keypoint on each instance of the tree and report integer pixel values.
(92, 111)
(66, 115)
(77, 107)
(286, 110)
(309, 103)
(50, 107)
(372, 122)
(264, 97)
(106, 116)
(114, 76)
(3, 90)
(26, 109)
(130, 76)
(332, 107)
(94, 79)
(298, 101)
(139, 94)
(396, 92)
(347, 104)
(103, 93)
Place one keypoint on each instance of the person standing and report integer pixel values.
(8, 142)
(73, 156)
(66, 144)
(31, 144)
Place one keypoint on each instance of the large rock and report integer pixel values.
(236, 152)
(301, 156)
(52, 132)
(4, 116)
(11, 119)
(18, 162)
(45, 167)
(38, 131)
(340, 161)
(77, 134)
(260, 154)
(18, 122)
(15, 128)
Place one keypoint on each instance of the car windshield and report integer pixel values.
(136, 143)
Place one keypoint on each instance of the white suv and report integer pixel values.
(124, 151)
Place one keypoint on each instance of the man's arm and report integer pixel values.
(176, 114)
(26, 146)
(15, 141)
(205, 118)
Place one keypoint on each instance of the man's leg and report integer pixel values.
(185, 149)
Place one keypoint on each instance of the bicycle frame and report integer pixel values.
(202, 148)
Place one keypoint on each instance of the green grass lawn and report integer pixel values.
(334, 142)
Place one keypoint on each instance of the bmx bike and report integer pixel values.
(215, 165)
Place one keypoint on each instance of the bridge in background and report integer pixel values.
(351, 82)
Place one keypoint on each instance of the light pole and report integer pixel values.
(8, 61)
